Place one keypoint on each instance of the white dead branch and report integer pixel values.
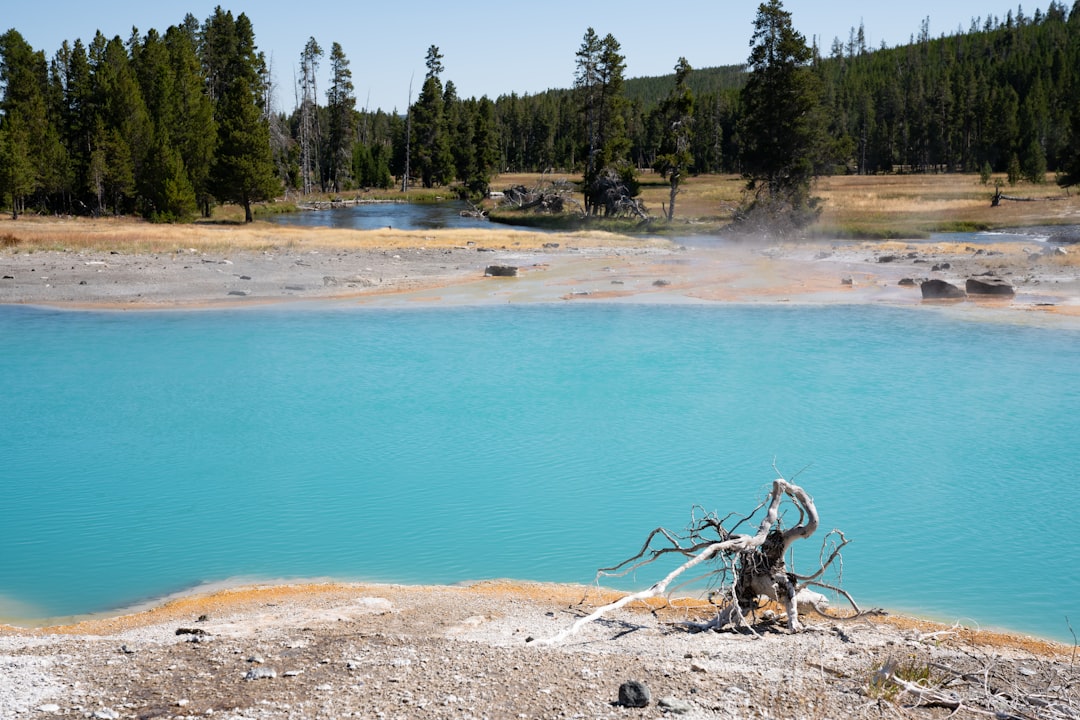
(749, 566)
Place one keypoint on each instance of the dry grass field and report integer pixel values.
(859, 207)
(910, 205)
(868, 206)
(133, 236)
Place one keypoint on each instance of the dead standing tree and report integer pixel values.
(749, 566)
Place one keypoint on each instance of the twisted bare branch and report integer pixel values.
(755, 561)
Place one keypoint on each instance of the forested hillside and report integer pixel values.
(167, 124)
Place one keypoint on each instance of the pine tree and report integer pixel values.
(31, 144)
(341, 107)
(780, 126)
(432, 158)
(1070, 175)
(676, 116)
(309, 116)
(16, 169)
(192, 129)
(243, 169)
(123, 131)
(76, 119)
(486, 149)
(599, 83)
(587, 84)
(614, 142)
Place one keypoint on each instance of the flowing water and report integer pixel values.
(146, 453)
(379, 215)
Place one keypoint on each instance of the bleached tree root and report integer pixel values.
(756, 562)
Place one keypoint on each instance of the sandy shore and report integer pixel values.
(336, 650)
(383, 651)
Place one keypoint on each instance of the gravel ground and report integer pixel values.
(335, 651)
(1046, 279)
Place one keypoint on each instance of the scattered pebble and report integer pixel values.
(260, 673)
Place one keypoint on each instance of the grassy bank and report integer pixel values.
(855, 207)
(875, 207)
(132, 236)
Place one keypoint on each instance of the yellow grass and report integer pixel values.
(132, 236)
(868, 205)
(909, 205)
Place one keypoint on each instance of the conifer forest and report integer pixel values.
(166, 124)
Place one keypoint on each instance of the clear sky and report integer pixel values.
(496, 47)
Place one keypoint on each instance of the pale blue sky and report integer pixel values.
(496, 47)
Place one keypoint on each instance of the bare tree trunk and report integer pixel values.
(755, 561)
(674, 182)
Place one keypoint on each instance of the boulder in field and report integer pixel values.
(501, 271)
(940, 290)
(988, 285)
(634, 694)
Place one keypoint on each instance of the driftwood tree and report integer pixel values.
(744, 567)
(616, 194)
(544, 198)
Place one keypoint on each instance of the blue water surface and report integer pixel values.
(146, 453)
(380, 215)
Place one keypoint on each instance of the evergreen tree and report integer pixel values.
(166, 193)
(432, 157)
(309, 116)
(587, 83)
(243, 169)
(614, 143)
(459, 128)
(599, 83)
(33, 154)
(1070, 175)
(341, 107)
(17, 180)
(675, 115)
(123, 132)
(486, 149)
(780, 128)
(192, 130)
(76, 117)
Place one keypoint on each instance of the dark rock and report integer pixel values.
(550, 246)
(240, 293)
(190, 631)
(907, 282)
(989, 286)
(661, 283)
(941, 266)
(847, 281)
(940, 290)
(635, 694)
(887, 258)
(501, 271)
